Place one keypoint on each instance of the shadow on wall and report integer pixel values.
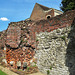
(70, 55)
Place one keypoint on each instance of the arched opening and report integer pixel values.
(48, 16)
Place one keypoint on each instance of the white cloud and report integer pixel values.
(4, 19)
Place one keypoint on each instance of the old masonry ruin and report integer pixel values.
(49, 42)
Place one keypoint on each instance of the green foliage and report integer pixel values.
(28, 68)
(63, 37)
(25, 41)
(37, 40)
(35, 62)
(67, 5)
(34, 65)
(31, 66)
(48, 72)
(51, 67)
(1, 38)
(21, 40)
(2, 73)
(20, 70)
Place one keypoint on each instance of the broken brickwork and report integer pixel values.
(19, 46)
(13, 36)
(59, 21)
(2, 42)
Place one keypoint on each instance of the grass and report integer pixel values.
(2, 73)
(31, 67)
(28, 68)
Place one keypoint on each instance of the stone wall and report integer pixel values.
(56, 50)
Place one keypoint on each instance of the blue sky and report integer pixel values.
(17, 10)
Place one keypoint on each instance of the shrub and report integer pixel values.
(28, 68)
(50, 67)
(34, 65)
(48, 72)
(25, 41)
(35, 62)
(63, 37)
(21, 40)
(37, 40)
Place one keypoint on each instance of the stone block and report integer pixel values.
(11, 62)
(25, 64)
(18, 63)
(5, 61)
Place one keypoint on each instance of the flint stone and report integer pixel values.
(5, 61)
(32, 64)
(25, 64)
(11, 62)
(31, 61)
(4, 48)
(18, 63)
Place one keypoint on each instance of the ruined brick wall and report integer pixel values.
(2, 43)
(21, 36)
(24, 54)
(59, 21)
(1, 46)
(19, 46)
(13, 36)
